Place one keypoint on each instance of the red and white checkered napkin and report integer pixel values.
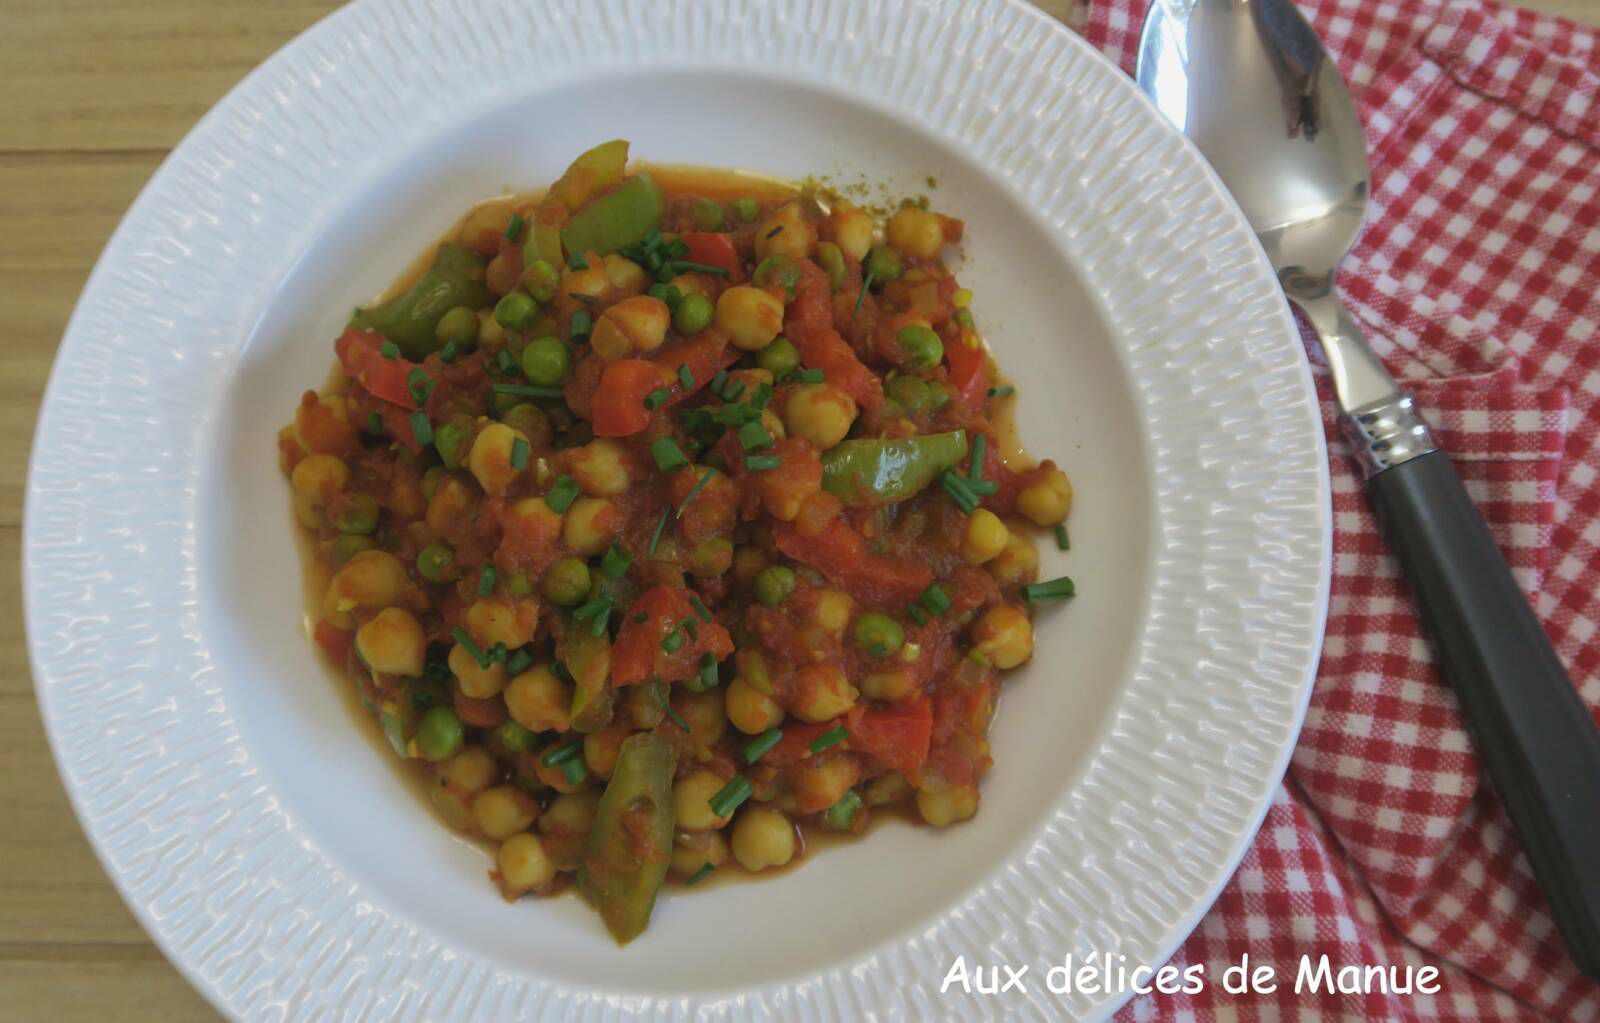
(1478, 282)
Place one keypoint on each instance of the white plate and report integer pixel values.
(233, 793)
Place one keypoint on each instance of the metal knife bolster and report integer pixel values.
(1386, 433)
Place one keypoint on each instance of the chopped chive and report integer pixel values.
(656, 398)
(775, 231)
(574, 771)
(578, 297)
(761, 463)
(809, 376)
(731, 796)
(841, 815)
(757, 748)
(669, 457)
(486, 580)
(655, 538)
(1054, 589)
(666, 705)
(421, 429)
(473, 650)
(497, 653)
(917, 614)
(641, 617)
(762, 396)
(701, 874)
(708, 670)
(680, 265)
(975, 467)
(731, 392)
(958, 491)
(562, 493)
(374, 423)
(561, 754)
(526, 390)
(593, 609)
(601, 620)
(700, 609)
(672, 642)
(699, 486)
(389, 350)
(577, 261)
(581, 324)
(754, 437)
(519, 454)
(514, 228)
(504, 361)
(832, 737)
(450, 351)
(1003, 391)
(685, 377)
(1063, 541)
(519, 662)
(615, 563)
(982, 488)
(688, 625)
(717, 382)
(866, 283)
(933, 598)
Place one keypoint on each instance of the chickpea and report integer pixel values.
(592, 281)
(538, 701)
(453, 806)
(852, 231)
(944, 807)
(503, 811)
(601, 749)
(307, 511)
(592, 523)
(492, 620)
(797, 239)
(833, 611)
(370, 579)
(624, 274)
(491, 335)
(638, 708)
(984, 538)
(704, 714)
(476, 681)
(691, 284)
(763, 838)
(320, 478)
(600, 467)
(565, 826)
(751, 666)
(916, 232)
(1047, 498)
(484, 226)
(632, 326)
(702, 849)
(821, 413)
(524, 865)
(711, 557)
(820, 782)
(452, 502)
(470, 771)
(1017, 563)
(532, 525)
(489, 460)
(750, 710)
(691, 797)
(887, 788)
(823, 692)
(392, 643)
(750, 316)
(889, 685)
(1004, 636)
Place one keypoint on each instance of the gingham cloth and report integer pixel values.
(1478, 282)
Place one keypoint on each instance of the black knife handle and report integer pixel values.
(1532, 731)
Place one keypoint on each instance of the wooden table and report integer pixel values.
(96, 92)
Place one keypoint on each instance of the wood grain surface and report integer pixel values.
(95, 94)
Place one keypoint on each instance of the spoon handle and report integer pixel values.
(1531, 729)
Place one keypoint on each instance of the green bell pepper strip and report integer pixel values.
(588, 660)
(617, 219)
(883, 471)
(456, 278)
(630, 846)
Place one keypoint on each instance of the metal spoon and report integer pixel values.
(1249, 82)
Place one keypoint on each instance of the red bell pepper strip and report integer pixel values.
(619, 409)
(897, 735)
(335, 642)
(969, 373)
(638, 655)
(361, 356)
(808, 323)
(841, 554)
(712, 249)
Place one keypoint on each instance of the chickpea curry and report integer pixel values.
(664, 526)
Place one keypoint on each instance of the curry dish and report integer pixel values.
(665, 524)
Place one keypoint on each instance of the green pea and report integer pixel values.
(693, 314)
(541, 279)
(773, 584)
(883, 263)
(513, 737)
(938, 394)
(546, 361)
(459, 325)
(515, 311)
(359, 515)
(439, 734)
(347, 546)
(922, 345)
(779, 357)
(566, 582)
(831, 258)
(711, 557)
(450, 438)
(431, 480)
(433, 562)
(747, 209)
(531, 420)
(519, 585)
(879, 635)
(778, 270)
(913, 393)
(707, 215)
